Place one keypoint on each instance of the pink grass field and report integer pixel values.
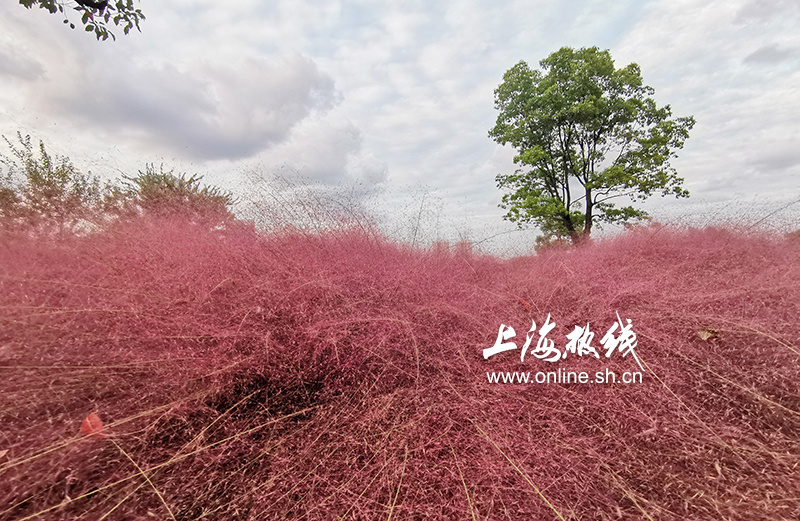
(244, 376)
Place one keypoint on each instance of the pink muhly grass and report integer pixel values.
(293, 375)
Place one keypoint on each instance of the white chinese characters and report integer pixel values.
(579, 342)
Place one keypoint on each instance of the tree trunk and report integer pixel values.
(587, 223)
(574, 234)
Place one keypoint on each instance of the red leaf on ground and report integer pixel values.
(91, 424)
(526, 304)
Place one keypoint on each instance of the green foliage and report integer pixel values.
(95, 15)
(162, 194)
(9, 204)
(45, 192)
(586, 132)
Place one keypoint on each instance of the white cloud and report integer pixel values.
(396, 93)
(771, 54)
(326, 151)
(14, 66)
(715, 61)
(763, 10)
(205, 110)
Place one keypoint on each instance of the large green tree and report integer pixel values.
(95, 15)
(586, 133)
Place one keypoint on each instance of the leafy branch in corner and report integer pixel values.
(95, 16)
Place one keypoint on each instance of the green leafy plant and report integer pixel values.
(157, 192)
(42, 192)
(46, 192)
(95, 15)
(586, 133)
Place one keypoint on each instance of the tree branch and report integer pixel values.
(98, 6)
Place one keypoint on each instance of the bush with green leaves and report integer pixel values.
(160, 193)
(46, 192)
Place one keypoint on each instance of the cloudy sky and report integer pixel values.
(391, 101)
